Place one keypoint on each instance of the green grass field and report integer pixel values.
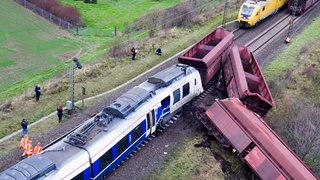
(31, 49)
(108, 14)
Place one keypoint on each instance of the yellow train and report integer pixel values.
(253, 11)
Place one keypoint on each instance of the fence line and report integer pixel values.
(56, 20)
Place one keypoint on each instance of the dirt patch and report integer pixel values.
(69, 55)
(225, 165)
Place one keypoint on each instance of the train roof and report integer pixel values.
(33, 167)
(129, 101)
(254, 2)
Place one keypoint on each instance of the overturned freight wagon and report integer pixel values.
(244, 80)
(209, 54)
(253, 140)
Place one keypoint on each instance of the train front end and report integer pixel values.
(248, 14)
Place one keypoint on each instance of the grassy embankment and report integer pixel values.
(294, 80)
(31, 50)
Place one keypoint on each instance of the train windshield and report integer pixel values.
(247, 10)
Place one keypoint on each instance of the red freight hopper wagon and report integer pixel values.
(244, 80)
(254, 141)
(208, 54)
(302, 5)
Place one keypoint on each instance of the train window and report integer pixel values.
(105, 160)
(176, 96)
(263, 8)
(137, 132)
(122, 145)
(185, 90)
(247, 11)
(79, 177)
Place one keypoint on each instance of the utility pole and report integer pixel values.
(72, 78)
(225, 13)
(76, 65)
(295, 6)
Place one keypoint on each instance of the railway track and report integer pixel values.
(274, 31)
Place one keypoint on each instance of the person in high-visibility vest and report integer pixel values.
(28, 150)
(24, 141)
(37, 149)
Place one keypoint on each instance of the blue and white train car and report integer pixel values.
(105, 140)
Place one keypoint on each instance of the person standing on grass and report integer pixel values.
(24, 125)
(134, 53)
(37, 90)
(59, 112)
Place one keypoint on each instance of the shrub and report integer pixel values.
(67, 13)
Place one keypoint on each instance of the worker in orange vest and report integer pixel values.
(37, 149)
(28, 150)
(24, 141)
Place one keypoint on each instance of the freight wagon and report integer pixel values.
(244, 80)
(302, 5)
(209, 54)
(247, 135)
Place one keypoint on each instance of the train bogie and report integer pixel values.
(254, 11)
(208, 54)
(244, 80)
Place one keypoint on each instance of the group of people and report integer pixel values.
(26, 143)
(28, 150)
(134, 52)
(37, 91)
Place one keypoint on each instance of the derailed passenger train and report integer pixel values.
(254, 11)
(105, 140)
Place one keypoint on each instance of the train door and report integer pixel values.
(151, 122)
(165, 106)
